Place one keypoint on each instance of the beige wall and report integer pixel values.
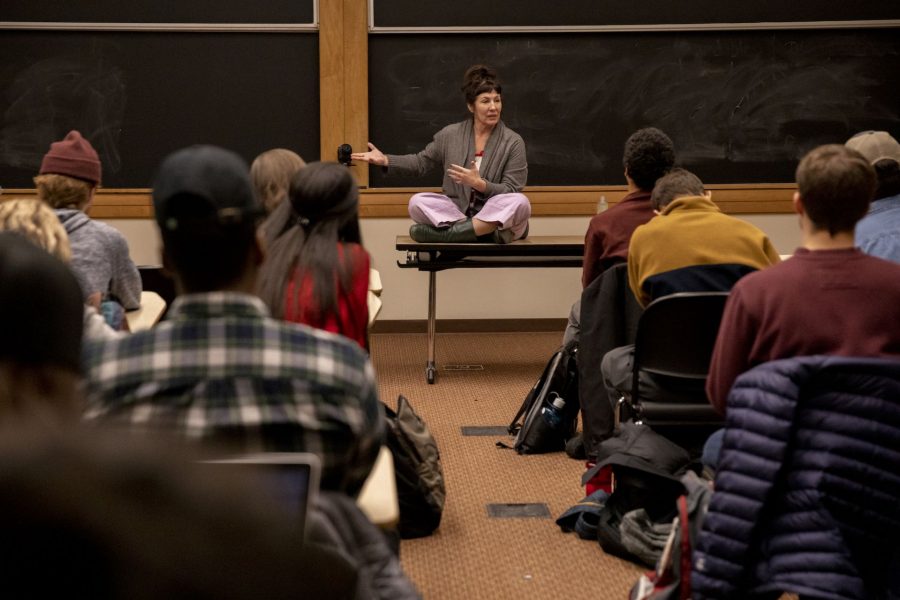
(466, 293)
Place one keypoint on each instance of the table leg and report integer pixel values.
(432, 301)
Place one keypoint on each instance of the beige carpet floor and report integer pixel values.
(472, 555)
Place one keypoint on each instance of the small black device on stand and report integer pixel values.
(343, 154)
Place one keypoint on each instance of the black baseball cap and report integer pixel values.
(203, 185)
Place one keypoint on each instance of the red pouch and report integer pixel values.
(601, 481)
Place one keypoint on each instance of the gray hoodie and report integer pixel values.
(100, 259)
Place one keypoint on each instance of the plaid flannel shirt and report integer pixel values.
(219, 368)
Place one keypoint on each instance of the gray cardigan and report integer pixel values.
(503, 166)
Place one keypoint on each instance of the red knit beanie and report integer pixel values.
(75, 157)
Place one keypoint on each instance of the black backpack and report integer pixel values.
(417, 467)
(559, 379)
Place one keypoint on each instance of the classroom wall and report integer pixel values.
(466, 293)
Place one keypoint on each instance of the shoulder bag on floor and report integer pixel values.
(417, 466)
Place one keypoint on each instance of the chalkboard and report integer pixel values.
(581, 13)
(741, 106)
(139, 96)
(193, 11)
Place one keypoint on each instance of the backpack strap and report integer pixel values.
(684, 524)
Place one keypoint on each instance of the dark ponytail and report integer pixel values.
(324, 202)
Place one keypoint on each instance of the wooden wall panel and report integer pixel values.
(545, 201)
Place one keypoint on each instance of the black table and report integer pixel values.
(536, 251)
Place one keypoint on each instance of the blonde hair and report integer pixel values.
(37, 222)
(271, 174)
(60, 191)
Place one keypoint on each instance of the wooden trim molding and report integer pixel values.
(567, 201)
(546, 201)
(119, 203)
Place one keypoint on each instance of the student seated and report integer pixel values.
(271, 173)
(37, 222)
(317, 271)
(69, 176)
(878, 233)
(41, 316)
(829, 297)
(690, 246)
(219, 368)
(648, 155)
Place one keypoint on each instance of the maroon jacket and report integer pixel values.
(608, 235)
(836, 302)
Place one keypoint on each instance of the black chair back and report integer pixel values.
(674, 343)
(154, 279)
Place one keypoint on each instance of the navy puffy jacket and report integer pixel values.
(807, 494)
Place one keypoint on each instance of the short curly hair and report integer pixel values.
(649, 154)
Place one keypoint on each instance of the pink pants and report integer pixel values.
(509, 211)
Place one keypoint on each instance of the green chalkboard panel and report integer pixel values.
(741, 106)
(581, 13)
(139, 96)
(192, 11)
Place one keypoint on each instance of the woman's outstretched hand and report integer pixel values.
(373, 156)
(470, 177)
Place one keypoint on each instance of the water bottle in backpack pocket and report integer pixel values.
(553, 412)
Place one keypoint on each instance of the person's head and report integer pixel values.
(41, 324)
(649, 154)
(271, 174)
(883, 151)
(35, 220)
(207, 217)
(835, 185)
(677, 183)
(324, 202)
(482, 90)
(93, 513)
(70, 172)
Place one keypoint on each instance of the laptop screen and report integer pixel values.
(291, 479)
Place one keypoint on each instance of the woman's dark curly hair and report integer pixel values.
(478, 80)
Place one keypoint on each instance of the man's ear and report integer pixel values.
(260, 249)
(797, 202)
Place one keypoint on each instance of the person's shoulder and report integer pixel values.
(106, 231)
(763, 280)
(512, 135)
(321, 349)
(453, 129)
(101, 356)
(888, 268)
(355, 250)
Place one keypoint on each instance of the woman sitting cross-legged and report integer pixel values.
(484, 172)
